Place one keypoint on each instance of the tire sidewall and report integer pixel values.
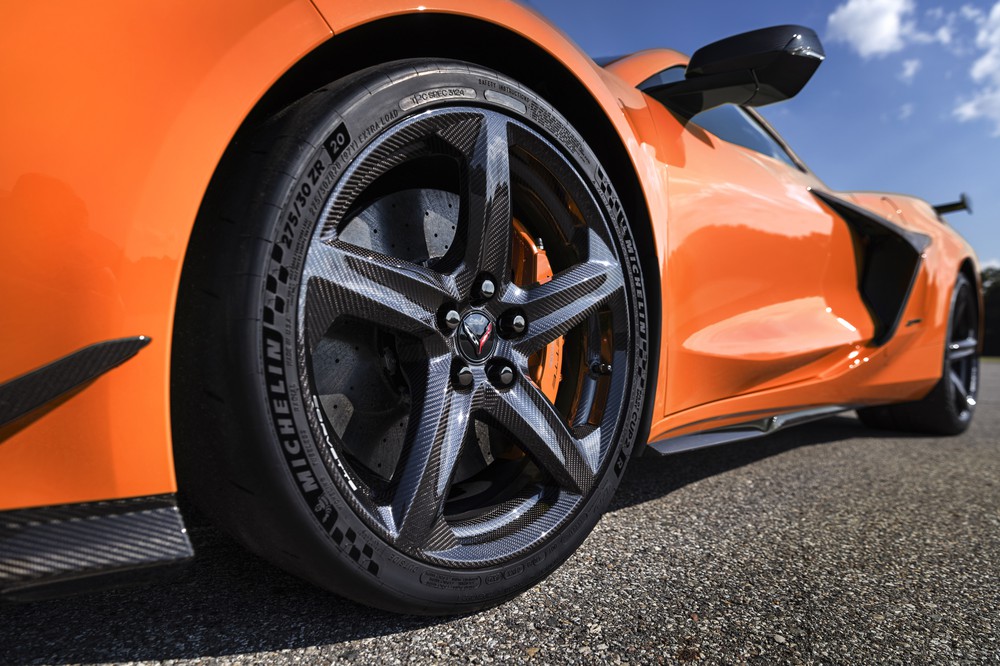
(341, 122)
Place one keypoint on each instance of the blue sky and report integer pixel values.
(908, 99)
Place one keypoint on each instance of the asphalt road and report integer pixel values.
(830, 543)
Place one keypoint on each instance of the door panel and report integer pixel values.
(761, 279)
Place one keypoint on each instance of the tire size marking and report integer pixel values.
(337, 141)
(341, 147)
(299, 201)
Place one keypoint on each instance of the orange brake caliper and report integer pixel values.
(531, 266)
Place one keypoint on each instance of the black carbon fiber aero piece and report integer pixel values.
(890, 258)
(55, 550)
(22, 395)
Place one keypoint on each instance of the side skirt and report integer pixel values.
(52, 551)
(749, 430)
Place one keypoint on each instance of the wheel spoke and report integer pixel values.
(959, 384)
(527, 415)
(486, 204)
(435, 435)
(962, 349)
(347, 280)
(554, 308)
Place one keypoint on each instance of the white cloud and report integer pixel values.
(985, 102)
(910, 69)
(905, 111)
(988, 38)
(870, 27)
(880, 27)
(971, 13)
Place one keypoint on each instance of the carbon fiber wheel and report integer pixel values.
(449, 327)
(450, 450)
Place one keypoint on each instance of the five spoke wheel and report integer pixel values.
(423, 346)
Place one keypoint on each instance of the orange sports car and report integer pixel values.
(394, 292)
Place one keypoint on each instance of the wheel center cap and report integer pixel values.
(477, 337)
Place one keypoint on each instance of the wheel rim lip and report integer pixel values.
(566, 506)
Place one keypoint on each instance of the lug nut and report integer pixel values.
(452, 319)
(503, 375)
(463, 376)
(514, 324)
(487, 289)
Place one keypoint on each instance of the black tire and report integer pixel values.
(949, 407)
(320, 411)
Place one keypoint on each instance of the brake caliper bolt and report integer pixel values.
(452, 319)
(487, 289)
(463, 376)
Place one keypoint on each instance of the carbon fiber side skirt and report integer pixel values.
(57, 550)
(757, 427)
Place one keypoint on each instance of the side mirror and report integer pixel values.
(751, 69)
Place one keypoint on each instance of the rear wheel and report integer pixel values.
(948, 408)
(426, 363)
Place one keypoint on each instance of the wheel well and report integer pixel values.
(969, 271)
(492, 46)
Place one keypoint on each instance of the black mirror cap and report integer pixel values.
(782, 58)
(752, 69)
(757, 49)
